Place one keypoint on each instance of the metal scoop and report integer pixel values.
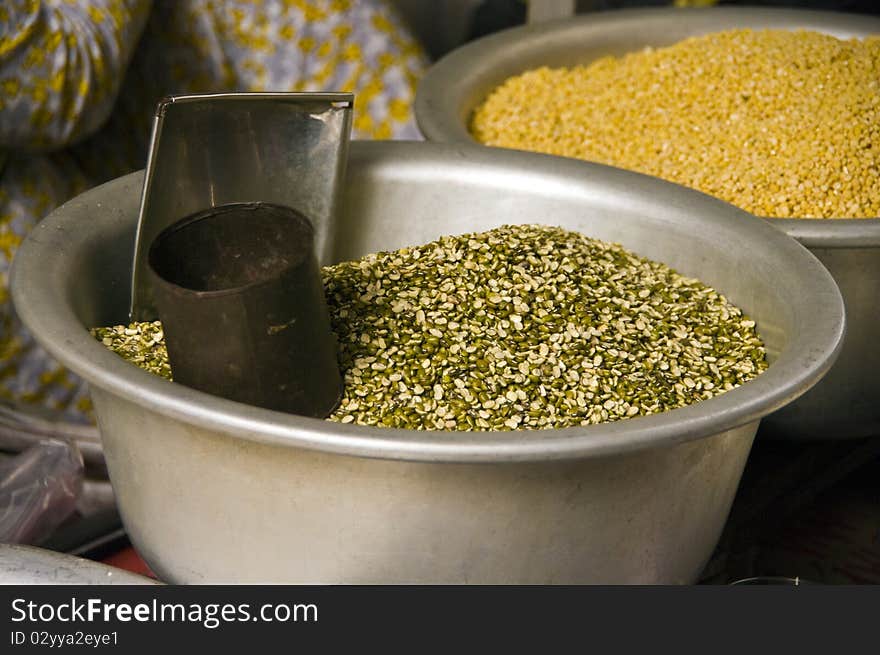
(288, 149)
(236, 216)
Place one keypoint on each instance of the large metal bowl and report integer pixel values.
(846, 404)
(215, 491)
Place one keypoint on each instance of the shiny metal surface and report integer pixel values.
(29, 565)
(771, 580)
(215, 491)
(208, 150)
(846, 404)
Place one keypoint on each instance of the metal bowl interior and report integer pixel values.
(400, 194)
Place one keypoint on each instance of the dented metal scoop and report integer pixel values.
(236, 216)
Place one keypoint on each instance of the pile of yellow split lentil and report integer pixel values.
(780, 123)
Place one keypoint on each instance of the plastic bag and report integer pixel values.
(39, 489)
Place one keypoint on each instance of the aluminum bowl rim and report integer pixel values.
(48, 314)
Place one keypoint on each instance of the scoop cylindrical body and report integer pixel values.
(239, 293)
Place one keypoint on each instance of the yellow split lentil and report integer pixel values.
(779, 123)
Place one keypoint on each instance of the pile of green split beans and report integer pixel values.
(520, 327)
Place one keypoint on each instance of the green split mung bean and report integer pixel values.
(520, 327)
(140, 343)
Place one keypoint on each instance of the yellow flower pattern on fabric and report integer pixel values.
(289, 45)
(76, 104)
(61, 66)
